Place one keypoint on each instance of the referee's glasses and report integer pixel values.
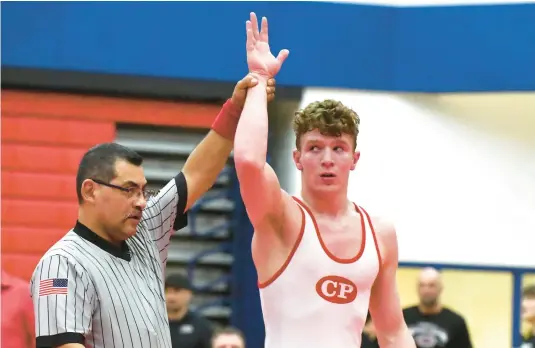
(130, 191)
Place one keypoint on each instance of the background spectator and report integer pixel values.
(229, 337)
(188, 329)
(433, 325)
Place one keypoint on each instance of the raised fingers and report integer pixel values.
(254, 22)
(264, 30)
(250, 36)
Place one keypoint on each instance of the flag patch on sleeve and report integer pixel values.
(54, 286)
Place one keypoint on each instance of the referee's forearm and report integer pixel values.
(204, 165)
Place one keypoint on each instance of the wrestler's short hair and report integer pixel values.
(329, 117)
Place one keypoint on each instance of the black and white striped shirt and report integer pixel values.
(87, 291)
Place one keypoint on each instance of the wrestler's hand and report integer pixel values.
(240, 91)
(259, 57)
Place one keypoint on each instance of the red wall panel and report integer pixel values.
(31, 240)
(44, 136)
(192, 115)
(54, 131)
(34, 213)
(38, 186)
(41, 158)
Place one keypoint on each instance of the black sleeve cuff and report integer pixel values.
(59, 340)
(181, 220)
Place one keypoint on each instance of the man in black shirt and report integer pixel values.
(528, 315)
(431, 324)
(188, 329)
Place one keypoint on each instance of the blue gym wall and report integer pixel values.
(434, 49)
(428, 49)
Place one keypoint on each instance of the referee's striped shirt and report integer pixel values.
(87, 291)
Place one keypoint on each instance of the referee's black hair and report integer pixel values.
(99, 163)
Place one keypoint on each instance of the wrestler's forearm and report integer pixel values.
(250, 143)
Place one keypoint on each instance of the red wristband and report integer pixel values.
(226, 122)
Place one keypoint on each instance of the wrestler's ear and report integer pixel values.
(297, 159)
(356, 157)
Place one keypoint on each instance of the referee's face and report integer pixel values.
(121, 210)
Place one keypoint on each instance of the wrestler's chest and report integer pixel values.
(344, 240)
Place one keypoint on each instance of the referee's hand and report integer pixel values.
(240, 91)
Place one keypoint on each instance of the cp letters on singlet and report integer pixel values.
(336, 289)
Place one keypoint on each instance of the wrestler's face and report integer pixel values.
(326, 161)
(119, 208)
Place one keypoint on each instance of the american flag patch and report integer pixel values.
(54, 286)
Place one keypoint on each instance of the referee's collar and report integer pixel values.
(83, 231)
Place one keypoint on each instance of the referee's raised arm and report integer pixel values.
(63, 303)
(166, 212)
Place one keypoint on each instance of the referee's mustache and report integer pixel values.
(134, 215)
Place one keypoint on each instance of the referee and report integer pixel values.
(101, 285)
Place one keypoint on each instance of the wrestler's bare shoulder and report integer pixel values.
(383, 226)
(385, 233)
